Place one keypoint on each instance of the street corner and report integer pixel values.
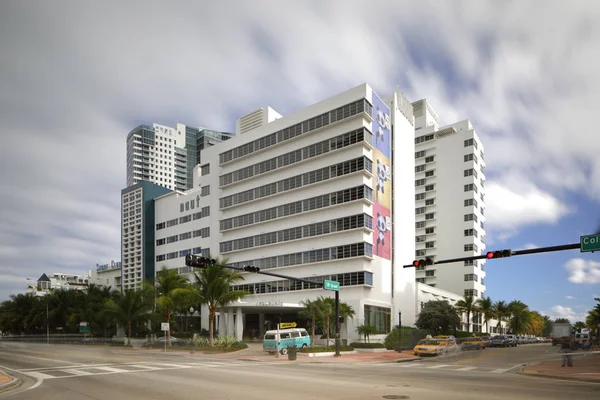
(7, 381)
(554, 370)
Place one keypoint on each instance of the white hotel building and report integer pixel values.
(307, 195)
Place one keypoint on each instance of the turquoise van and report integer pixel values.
(287, 337)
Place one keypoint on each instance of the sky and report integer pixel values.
(76, 77)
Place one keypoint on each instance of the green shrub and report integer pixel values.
(358, 345)
(225, 341)
(325, 349)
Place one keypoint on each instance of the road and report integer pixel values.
(77, 372)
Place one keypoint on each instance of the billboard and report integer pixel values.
(382, 179)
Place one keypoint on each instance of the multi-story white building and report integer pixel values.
(167, 156)
(450, 202)
(107, 275)
(58, 281)
(307, 195)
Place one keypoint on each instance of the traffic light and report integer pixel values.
(251, 268)
(198, 262)
(498, 254)
(422, 263)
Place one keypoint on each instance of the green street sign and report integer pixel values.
(590, 243)
(331, 285)
(85, 329)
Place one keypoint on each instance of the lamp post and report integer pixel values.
(399, 348)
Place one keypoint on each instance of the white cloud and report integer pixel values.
(583, 271)
(516, 203)
(569, 297)
(559, 311)
(529, 246)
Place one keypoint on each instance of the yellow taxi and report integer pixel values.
(435, 345)
(472, 343)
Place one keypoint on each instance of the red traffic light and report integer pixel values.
(422, 263)
(416, 263)
(498, 254)
(490, 254)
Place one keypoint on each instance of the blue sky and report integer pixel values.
(77, 77)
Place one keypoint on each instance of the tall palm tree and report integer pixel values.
(214, 289)
(468, 306)
(486, 307)
(502, 313)
(520, 320)
(128, 307)
(326, 311)
(171, 288)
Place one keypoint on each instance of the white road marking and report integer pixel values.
(79, 372)
(439, 366)
(466, 369)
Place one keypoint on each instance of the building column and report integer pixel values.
(203, 317)
(261, 325)
(230, 327)
(222, 322)
(239, 324)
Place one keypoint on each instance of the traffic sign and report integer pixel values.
(85, 329)
(164, 326)
(286, 325)
(590, 243)
(331, 285)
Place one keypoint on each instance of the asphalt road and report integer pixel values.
(77, 372)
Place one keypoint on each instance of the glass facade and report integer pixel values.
(379, 317)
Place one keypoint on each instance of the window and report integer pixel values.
(379, 317)
(470, 172)
(429, 173)
(429, 159)
(470, 217)
(470, 157)
(429, 188)
(430, 273)
(420, 154)
(420, 210)
(429, 216)
(470, 202)
(205, 190)
(419, 253)
(469, 247)
(419, 196)
(429, 245)
(471, 292)
(420, 182)
(429, 202)
(468, 142)
(469, 187)
(424, 138)
(420, 224)
(482, 211)
(420, 168)
(205, 169)
(470, 277)
(419, 239)
(429, 230)
(469, 232)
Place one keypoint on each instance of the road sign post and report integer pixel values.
(331, 285)
(590, 243)
(164, 326)
(335, 286)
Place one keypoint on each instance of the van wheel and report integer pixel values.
(284, 351)
(304, 346)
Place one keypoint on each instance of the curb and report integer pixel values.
(536, 374)
(13, 383)
(408, 360)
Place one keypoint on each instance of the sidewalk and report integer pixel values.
(7, 382)
(585, 368)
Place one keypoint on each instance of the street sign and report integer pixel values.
(590, 243)
(85, 329)
(164, 326)
(83, 323)
(331, 285)
(286, 325)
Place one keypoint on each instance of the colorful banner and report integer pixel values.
(382, 180)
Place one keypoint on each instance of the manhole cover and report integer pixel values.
(395, 396)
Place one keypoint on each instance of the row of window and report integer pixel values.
(347, 279)
(296, 156)
(201, 233)
(205, 212)
(309, 125)
(424, 138)
(299, 232)
(312, 256)
(314, 203)
(183, 253)
(308, 178)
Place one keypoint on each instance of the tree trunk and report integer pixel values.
(129, 332)
(468, 322)
(211, 326)
(168, 338)
(327, 328)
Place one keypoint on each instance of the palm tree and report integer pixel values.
(326, 307)
(128, 307)
(214, 289)
(520, 320)
(171, 288)
(502, 313)
(311, 311)
(486, 307)
(366, 331)
(468, 306)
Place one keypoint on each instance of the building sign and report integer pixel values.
(190, 205)
(382, 178)
(269, 304)
(108, 267)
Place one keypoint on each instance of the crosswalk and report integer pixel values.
(448, 367)
(81, 370)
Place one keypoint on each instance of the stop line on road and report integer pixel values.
(451, 367)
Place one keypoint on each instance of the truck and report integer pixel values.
(561, 331)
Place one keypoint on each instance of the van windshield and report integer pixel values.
(269, 337)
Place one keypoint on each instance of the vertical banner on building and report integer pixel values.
(382, 181)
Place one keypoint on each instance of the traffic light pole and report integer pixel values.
(337, 324)
(572, 246)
